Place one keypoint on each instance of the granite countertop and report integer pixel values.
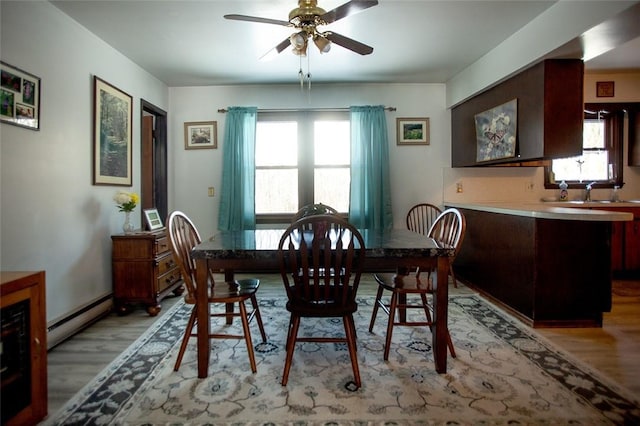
(542, 210)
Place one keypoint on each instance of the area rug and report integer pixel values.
(504, 374)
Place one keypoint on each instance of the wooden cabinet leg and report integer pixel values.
(154, 310)
(121, 308)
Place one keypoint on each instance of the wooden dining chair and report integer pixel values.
(321, 259)
(313, 209)
(449, 229)
(407, 285)
(421, 216)
(183, 237)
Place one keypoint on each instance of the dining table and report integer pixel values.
(256, 250)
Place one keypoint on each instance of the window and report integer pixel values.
(301, 158)
(601, 159)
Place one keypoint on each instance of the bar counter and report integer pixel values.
(550, 266)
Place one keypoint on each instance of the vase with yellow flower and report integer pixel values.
(126, 202)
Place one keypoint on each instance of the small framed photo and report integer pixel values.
(19, 97)
(605, 89)
(152, 219)
(201, 135)
(412, 131)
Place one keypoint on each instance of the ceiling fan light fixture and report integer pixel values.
(323, 44)
(298, 40)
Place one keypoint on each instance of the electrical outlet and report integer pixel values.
(211, 191)
(530, 186)
(459, 187)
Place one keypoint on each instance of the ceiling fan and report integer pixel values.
(306, 18)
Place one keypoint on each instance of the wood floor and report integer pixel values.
(612, 350)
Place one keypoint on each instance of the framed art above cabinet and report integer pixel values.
(549, 115)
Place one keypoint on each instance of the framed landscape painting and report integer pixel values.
(412, 131)
(201, 135)
(19, 97)
(112, 141)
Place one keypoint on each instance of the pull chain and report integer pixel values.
(308, 73)
(301, 75)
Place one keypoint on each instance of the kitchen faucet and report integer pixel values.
(587, 191)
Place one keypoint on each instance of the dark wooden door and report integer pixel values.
(153, 159)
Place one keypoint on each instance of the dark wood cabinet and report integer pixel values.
(632, 244)
(634, 136)
(23, 370)
(548, 272)
(625, 242)
(550, 114)
(144, 271)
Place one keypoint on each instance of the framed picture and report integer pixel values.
(19, 97)
(412, 131)
(605, 89)
(201, 135)
(496, 131)
(152, 219)
(112, 115)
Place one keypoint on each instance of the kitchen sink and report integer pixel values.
(602, 202)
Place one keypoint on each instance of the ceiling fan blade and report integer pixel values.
(276, 50)
(257, 19)
(347, 9)
(348, 43)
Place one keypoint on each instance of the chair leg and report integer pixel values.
(425, 305)
(292, 335)
(392, 316)
(185, 339)
(350, 330)
(256, 309)
(450, 344)
(247, 336)
(453, 276)
(375, 308)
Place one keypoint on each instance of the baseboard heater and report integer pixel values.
(61, 329)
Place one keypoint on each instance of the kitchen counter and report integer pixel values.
(550, 266)
(567, 210)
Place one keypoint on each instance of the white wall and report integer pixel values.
(512, 183)
(52, 217)
(416, 170)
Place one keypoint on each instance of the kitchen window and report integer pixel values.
(301, 158)
(601, 159)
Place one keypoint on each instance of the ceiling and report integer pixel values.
(189, 43)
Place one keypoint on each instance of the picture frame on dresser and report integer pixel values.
(112, 135)
(152, 219)
(19, 97)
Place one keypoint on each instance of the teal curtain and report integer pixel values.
(370, 198)
(237, 200)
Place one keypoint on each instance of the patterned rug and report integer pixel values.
(504, 375)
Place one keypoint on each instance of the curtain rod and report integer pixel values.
(223, 110)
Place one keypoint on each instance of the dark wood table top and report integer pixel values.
(263, 244)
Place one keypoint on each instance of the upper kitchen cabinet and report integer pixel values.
(548, 122)
(634, 136)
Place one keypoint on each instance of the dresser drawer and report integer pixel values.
(166, 263)
(161, 245)
(167, 280)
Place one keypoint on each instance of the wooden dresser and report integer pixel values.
(144, 271)
(24, 348)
